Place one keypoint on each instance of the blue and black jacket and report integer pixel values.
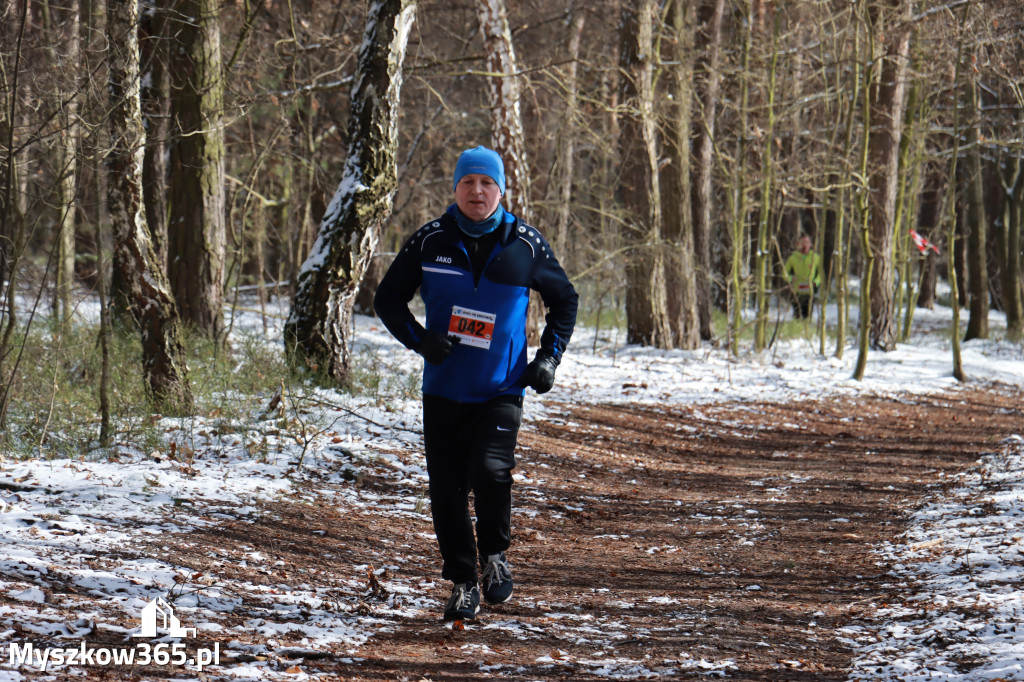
(488, 312)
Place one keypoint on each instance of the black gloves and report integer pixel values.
(540, 374)
(436, 347)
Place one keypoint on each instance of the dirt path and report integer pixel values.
(673, 543)
(732, 538)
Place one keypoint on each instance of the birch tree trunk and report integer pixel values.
(317, 334)
(706, 81)
(196, 239)
(507, 134)
(646, 311)
(888, 101)
(147, 291)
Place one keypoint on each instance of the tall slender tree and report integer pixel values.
(65, 60)
(762, 255)
(977, 225)
(563, 167)
(318, 331)
(706, 85)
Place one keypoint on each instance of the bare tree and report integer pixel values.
(146, 289)
(318, 331)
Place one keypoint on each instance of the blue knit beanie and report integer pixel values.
(483, 161)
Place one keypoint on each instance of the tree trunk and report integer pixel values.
(869, 75)
(706, 80)
(146, 288)
(156, 91)
(888, 101)
(1009, 247)
(738, 195)
(977, 226)
(66, 62)
(912, 160)
(196, 240)
(680, 268)
(507, 134)
(951, 207)
(12, 194)
(646, 311)
(839, 272)
(12, 32)
(762, 257)
(318, 331)
(928, 225)
(565, 149)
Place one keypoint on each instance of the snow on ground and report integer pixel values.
(73, 522)
(961, 563)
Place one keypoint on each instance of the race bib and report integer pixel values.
(473, 327)
(803, 287)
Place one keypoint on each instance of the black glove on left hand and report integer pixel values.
(540, 374)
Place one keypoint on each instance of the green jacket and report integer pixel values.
(803, 272)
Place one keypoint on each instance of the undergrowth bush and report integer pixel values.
(55, 408)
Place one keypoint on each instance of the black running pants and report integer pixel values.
(470, 447)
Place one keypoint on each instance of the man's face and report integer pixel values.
(477, 196)
(804, 244)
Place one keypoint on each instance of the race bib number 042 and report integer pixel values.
(473, 327)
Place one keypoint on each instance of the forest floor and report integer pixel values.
(734, 540)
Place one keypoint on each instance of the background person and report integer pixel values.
(803, 274)
(474, 267)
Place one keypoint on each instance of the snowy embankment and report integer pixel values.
(70, 529)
